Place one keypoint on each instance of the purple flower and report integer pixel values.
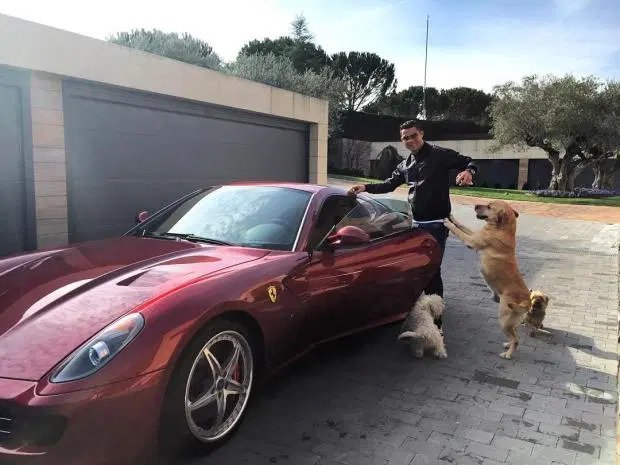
(578, 192)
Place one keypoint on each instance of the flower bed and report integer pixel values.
(579, 192)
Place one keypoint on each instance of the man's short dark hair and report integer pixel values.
(412, 123)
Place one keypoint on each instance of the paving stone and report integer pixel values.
(505, 408)
(427, 448)
(401, 457)
(474, 435)
(522, 458)
(421, 459)
(504, 442)
(582, 447)
(491, 452)
(555, 454)
(536, 416)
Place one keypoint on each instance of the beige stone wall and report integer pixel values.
(49, 159)
(477, 149)
(318, 153)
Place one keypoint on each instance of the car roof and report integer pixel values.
(291, 185)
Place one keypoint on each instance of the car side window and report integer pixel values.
(333, 210)
(375, 219)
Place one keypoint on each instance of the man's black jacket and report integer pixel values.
(427, 173)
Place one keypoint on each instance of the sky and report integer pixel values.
(473, 43)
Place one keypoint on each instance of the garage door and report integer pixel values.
(129, 151)
(13, 209)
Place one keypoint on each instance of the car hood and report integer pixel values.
(53, 301)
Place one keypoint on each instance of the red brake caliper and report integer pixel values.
(236, 374)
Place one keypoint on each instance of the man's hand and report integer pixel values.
(464, 178)
(356, 189)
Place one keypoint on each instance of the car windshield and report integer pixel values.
(249, 216)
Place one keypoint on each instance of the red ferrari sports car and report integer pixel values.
(153, 342)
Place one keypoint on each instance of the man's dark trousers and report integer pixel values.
(440, 233)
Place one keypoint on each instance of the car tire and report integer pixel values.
(207, 373)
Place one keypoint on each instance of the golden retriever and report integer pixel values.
(498, 262)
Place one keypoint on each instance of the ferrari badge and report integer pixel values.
(273, 293)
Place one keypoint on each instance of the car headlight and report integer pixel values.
(100, 349)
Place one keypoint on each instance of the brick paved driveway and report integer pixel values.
(364, 400)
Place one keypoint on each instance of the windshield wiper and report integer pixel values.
(150, 234)
(194, 238)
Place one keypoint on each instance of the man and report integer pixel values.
(426, 172)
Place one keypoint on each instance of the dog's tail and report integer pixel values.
(408, 335)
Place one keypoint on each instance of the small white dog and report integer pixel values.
(419, 328)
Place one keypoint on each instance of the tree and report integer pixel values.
(280, 72)
(182, 47)
(300, 30)
(604, 147)
(305, 55)
(408, 103)
(367, 77)
(459, 103)
(465, 104)
(565, 117)
(278, 47)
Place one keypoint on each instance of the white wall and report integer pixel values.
(477, 149)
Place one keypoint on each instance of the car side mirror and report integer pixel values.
(348, 235)
(142, 216)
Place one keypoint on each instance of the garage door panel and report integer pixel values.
(12, 182)
(129, 151)
(98, 217)
(109, 157)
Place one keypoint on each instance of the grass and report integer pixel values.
(506, 194)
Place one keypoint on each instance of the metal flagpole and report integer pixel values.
(425, 61)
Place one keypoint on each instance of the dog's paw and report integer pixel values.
(505, 355)
(419, 353)
(441, 354)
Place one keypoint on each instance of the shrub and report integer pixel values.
(347, 172)
(181, 47)
(279, 71)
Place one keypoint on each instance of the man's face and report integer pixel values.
(413, 138)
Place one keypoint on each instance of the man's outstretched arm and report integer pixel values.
(396, 179)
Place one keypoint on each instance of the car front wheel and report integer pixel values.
(210, 388)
